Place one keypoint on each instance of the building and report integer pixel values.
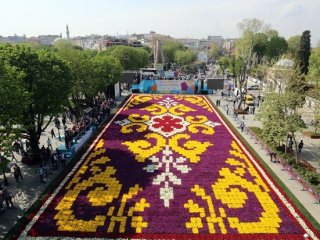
(216, 39)
(229, 46)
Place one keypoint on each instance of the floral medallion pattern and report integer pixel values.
(168, 167)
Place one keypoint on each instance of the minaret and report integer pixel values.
(68, 33)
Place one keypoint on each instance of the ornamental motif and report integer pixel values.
(167, 165)
(167, 177)
(233, 190)
(167, 124)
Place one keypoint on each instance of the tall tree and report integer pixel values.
(260, 46)
(185, 57)
(304, 52)
(224, 63)
(169, 49)
(276, 47)
(294, 46)
(82, 76)
(107, 71)
(214, 51)
(13, 101)
(279, 112)
(46, 80)
(131, 58)
(244, 49)
(314, 68)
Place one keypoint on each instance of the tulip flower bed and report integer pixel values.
(167, 166)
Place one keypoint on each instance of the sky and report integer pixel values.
(177, 18)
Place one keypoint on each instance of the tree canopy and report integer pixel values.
(304, 52)
(131, 58)
(46, 80)
(170, 47)
(185, 57)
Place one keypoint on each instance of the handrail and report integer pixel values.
(306, 186)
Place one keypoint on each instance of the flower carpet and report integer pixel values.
(167, 167)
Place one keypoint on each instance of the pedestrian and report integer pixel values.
(300, 146)
(275, 157)
(6, 195)
(227, 110)
(53, 135)
(242, 126)
(59, 136)
(271, 156)
(41, 172)
(15, 174)
(49, 143)
(64, 119)
(253, 109)
(18, 169)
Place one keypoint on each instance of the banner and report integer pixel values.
(167, 86)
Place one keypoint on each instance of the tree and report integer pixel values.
(279, 112)
(272, 117)
(131, 58)
(314, 68)
(107, 71)
(185, 57)
(46, 79)
(259, 72)
(224, 63)
(169, 49)
(304, 52)
(13, 100)
(294, 46)
(276, 47)
(214, 51)
(260, 46)
(244, 50)
(84, 84)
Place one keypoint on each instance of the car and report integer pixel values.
(253, 87)
(249, 100)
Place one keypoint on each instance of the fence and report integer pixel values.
(294, 175)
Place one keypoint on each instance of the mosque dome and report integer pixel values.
(57, 40)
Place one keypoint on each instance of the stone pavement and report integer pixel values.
(27, 191)
(310, 153)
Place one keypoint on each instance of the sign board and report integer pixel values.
(215, 83)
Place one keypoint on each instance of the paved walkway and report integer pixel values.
(310, 153)
(29, 190)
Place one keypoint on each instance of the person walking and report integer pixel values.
(53, 135)
(242, 126)
(6, 195)
(18, 170)
(300, 146)
(49, 143)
